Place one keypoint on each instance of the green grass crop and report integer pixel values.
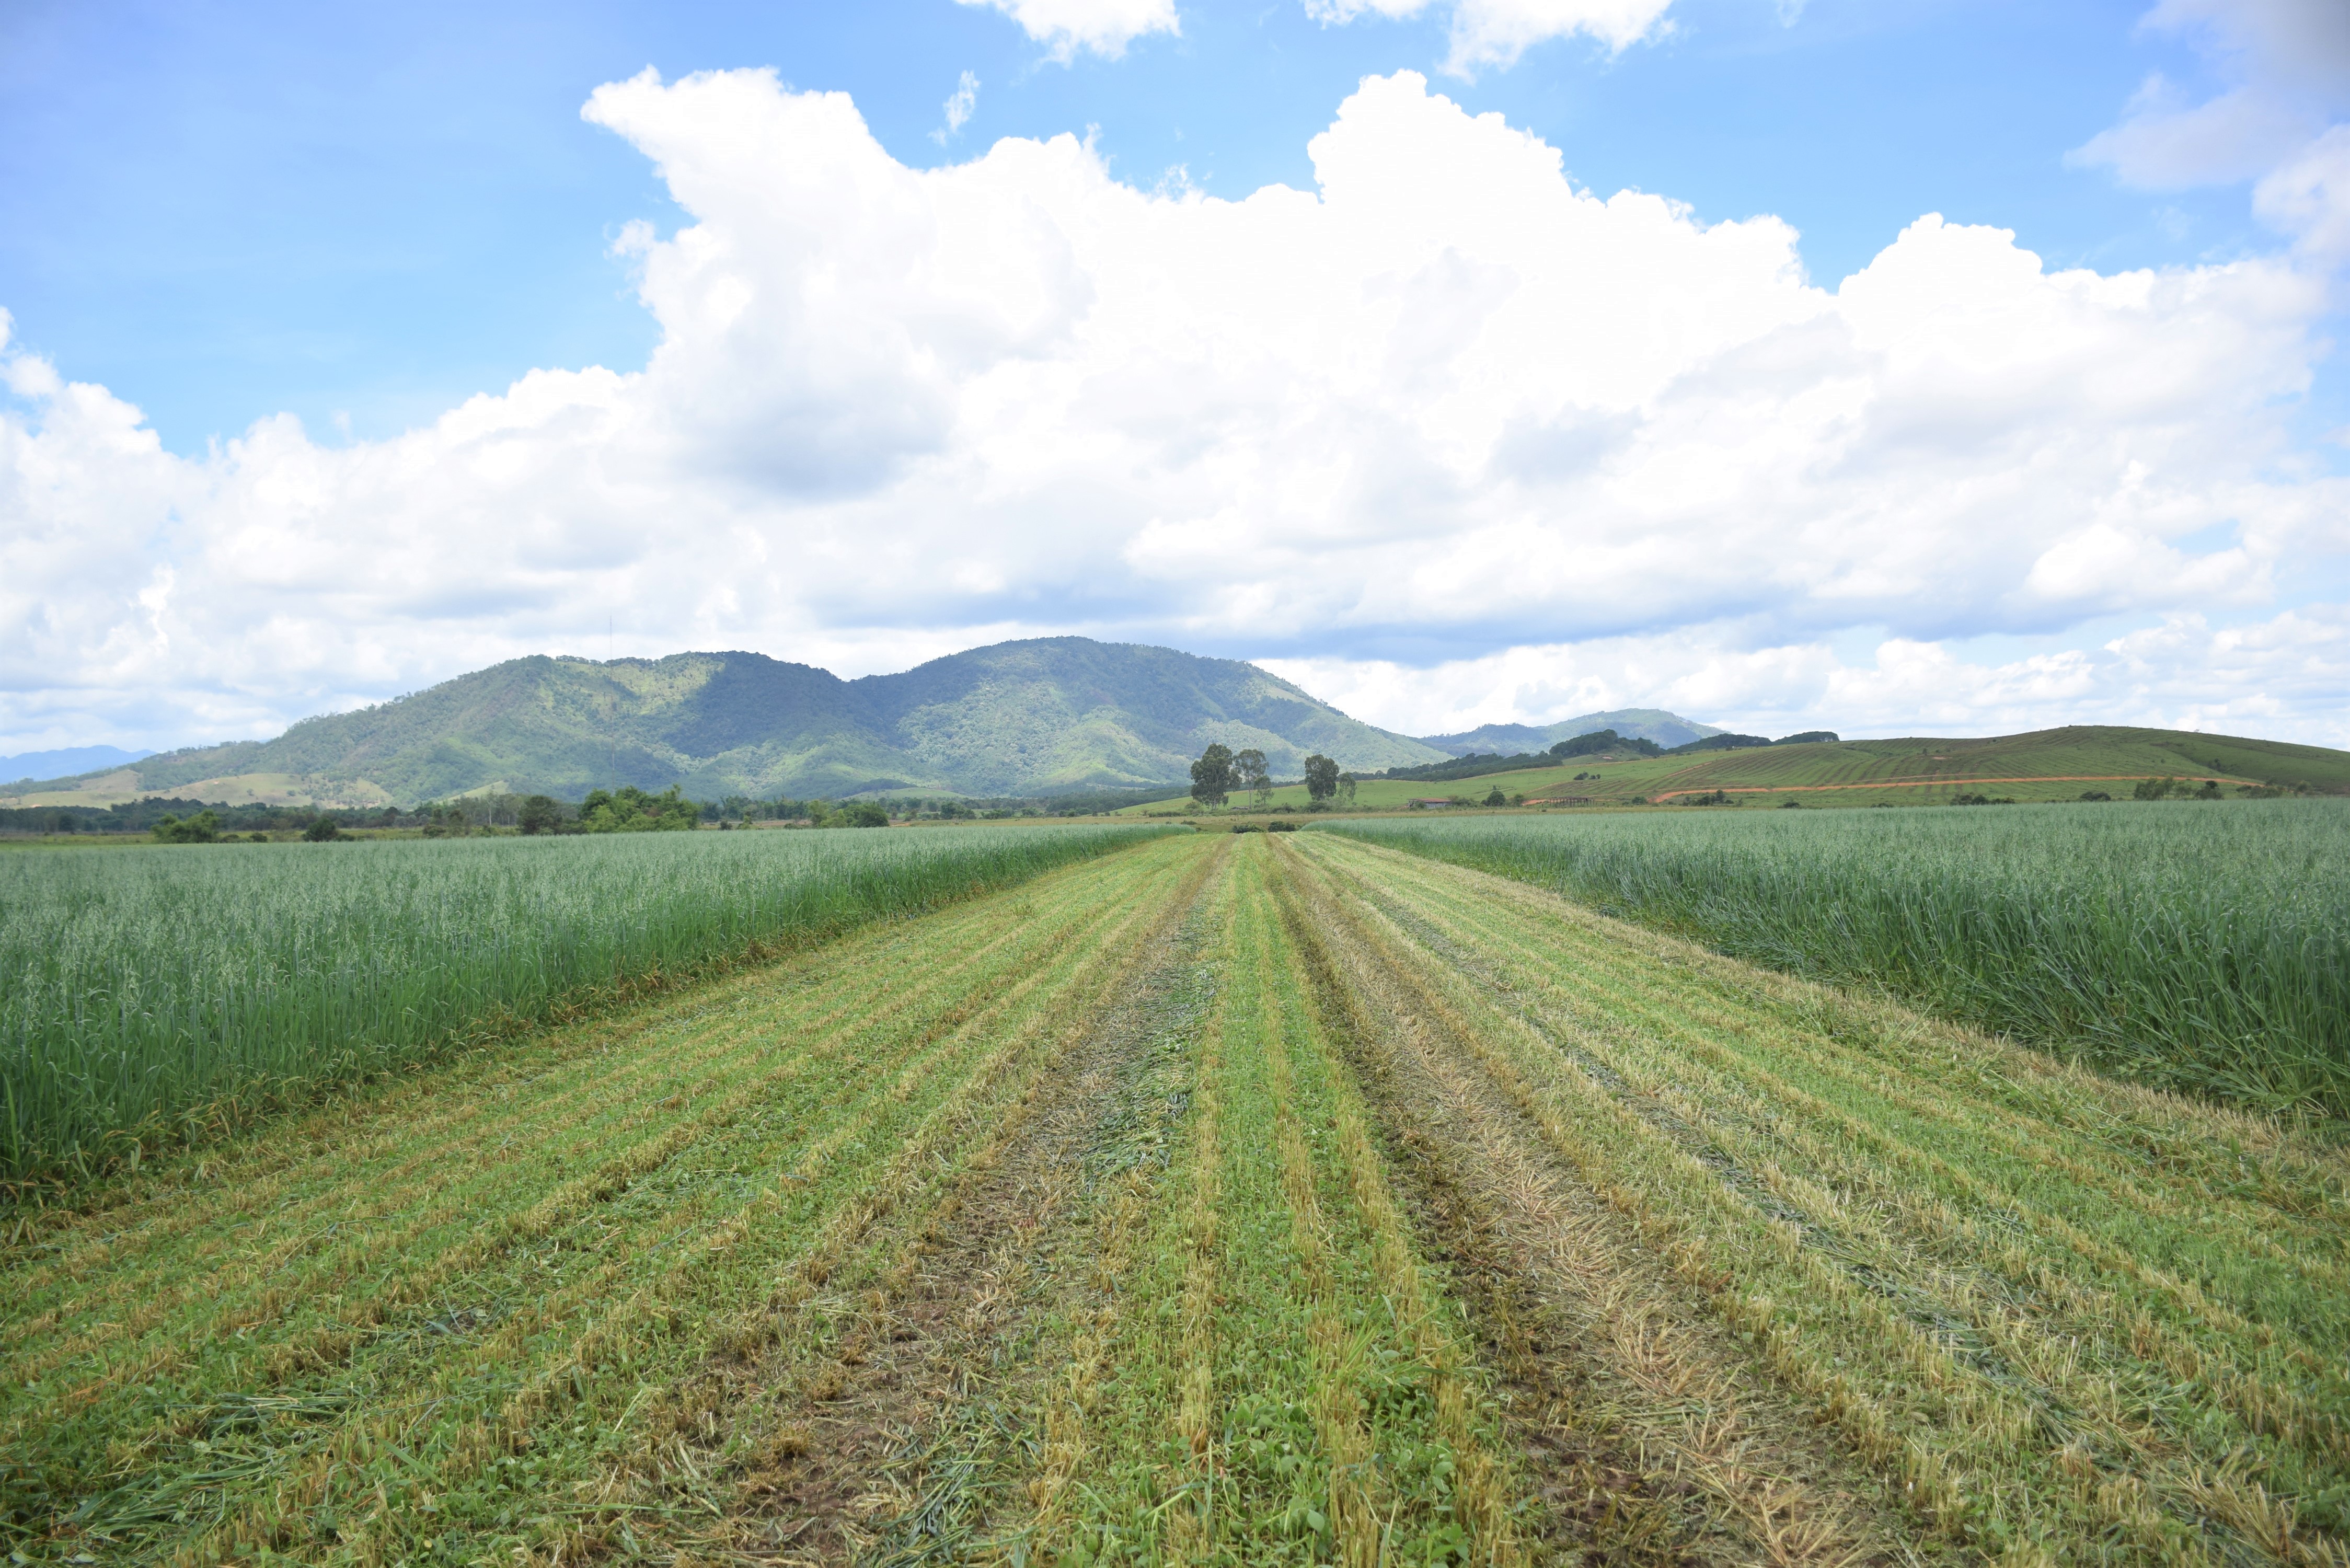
(2063, 1319)
(431, 1320)
(144, 991)
(2200, 946)
(1230, 1200)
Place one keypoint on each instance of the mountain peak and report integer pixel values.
(1028, 717)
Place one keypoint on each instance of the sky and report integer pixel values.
(1948, 367)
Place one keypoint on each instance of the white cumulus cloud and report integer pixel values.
(1105, 26)
(1445, 418)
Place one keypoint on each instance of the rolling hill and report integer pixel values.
(1017, 718)
(2043, 764)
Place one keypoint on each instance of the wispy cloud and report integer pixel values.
(1497, 32)
(2280, 120)
(1104, 26)
(958, 107)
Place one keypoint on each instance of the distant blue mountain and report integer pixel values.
(63, 763)
(1668, 729)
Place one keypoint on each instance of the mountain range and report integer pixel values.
(27, 766)
(1017, 718)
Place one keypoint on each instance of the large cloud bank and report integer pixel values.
(1448, 437)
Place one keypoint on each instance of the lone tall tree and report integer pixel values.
(1321, 778)
(1249, 773)
(1212, 776)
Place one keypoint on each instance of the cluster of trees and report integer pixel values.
(1221, 773)
(1598, 740)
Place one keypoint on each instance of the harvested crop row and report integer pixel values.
(1301, 1394)
(1645, 1440)
(2007, 1300)
(464, 1329)
(874, 1404)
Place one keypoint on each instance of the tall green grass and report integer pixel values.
(2202, 946)
(141, 989)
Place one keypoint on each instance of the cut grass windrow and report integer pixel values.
(1325, 1410)
(1624, 1413)
(654, 1199)
(2013, 1364)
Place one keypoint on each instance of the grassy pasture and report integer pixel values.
(2199, 945)
(142, 991)
(1230, 1200)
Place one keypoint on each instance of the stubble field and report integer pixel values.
(1225, 1200)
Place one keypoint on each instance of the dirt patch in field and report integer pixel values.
(1647, 1432)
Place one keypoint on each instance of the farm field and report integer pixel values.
(2195, 944)
(148, 992)
(2044, 765)
(1225, 1200)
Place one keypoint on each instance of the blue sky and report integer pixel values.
(223, 212)
(1650, 454)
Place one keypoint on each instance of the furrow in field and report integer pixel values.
(890, 1420)
(456, 1240)
(2006, 1426)
(1300, 1396)
(2174, 1330)
(605, 1322)
(459, 1123)
(2210, 1283)
(2068, 1134)
(540, 1296)
(1629, 1413)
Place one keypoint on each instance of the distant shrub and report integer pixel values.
(202, 828)
(860, 813)
(2094, 794)
(1281, 827)
(1495, 798)
(322, 830)
(540, 813)
(2153, 789)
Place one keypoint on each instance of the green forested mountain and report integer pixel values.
(1015, 718)
(1668, 729)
